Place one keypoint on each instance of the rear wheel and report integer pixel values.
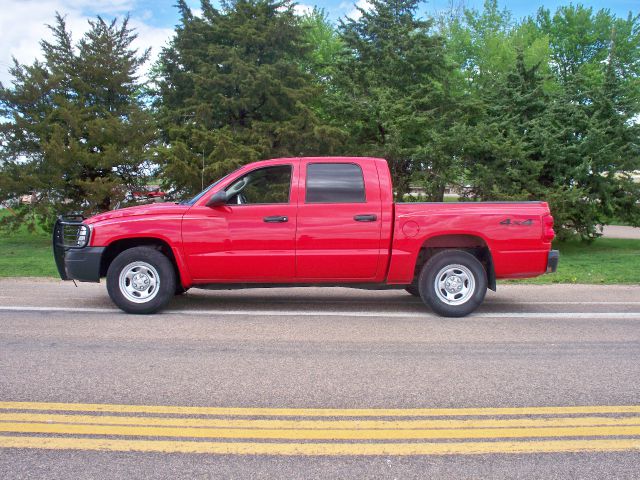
(141, 280)
(453, 283)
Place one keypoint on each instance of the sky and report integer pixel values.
(23, 22)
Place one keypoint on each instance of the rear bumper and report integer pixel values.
(552, 261)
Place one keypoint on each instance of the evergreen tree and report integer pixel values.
(553, 111)
(231, 90)
(392, 93)
(596, 60)
(611, 144)
(75, 133)
(504, 156)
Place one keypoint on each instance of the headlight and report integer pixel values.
(83, 236)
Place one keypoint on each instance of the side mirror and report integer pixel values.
(217, 199)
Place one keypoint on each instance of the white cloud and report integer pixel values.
(150, 37)
(301, 9)
(23, 25)
(354, 13)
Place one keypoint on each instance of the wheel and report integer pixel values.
(453, 283)
(141, 280)
(413, 290)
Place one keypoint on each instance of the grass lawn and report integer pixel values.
(24, 254)
(607, 260)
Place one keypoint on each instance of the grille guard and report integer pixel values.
(59, 245)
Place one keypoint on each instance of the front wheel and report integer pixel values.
(180, 290)
(141, 280)
(453, 283)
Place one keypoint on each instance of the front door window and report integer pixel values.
(269, 185)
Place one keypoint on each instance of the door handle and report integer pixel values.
(365, 218)
(276, 219)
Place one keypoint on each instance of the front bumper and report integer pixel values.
(82, 264)
(552, 261)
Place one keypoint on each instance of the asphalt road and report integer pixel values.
(262, 352)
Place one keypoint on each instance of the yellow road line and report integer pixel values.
(290, 434)
(317, 412)
(464, 448)
(320, 424)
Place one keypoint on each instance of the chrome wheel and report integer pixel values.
(454, 284)
(139, 282)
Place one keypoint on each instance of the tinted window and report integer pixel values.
(335, 183)
(264, 185)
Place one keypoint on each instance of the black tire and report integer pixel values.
(165, 275)
(180, 290)
(413, 290)
(475, 288)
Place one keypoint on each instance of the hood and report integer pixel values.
(150, 209)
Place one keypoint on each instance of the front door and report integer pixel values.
(252, 237)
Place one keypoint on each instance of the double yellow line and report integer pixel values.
(148, 428)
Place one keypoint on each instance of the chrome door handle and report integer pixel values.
(276, 219)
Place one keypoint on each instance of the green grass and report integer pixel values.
(604, 261)
(26, 254)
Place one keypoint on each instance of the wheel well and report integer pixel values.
(116, 248)
(476, 246)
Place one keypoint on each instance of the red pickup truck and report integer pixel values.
(307, 221)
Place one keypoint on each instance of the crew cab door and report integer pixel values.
(339, 219)
(252, 237)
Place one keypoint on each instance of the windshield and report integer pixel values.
(203, 192)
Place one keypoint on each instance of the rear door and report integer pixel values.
(338, 231)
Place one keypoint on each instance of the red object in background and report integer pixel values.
(153, 193)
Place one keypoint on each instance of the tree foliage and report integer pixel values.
(232, 89)
(556, 102)
(74, 130)
(392, 93)
(545, 107)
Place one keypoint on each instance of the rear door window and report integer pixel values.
(335, 183)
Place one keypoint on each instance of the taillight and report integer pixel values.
(547, 228)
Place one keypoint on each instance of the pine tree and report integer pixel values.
(611, 142)
(231, 90)
(524, 147)
(506, 161)
(392, 92)
(596, 61)
(553, 111)
(76, 132)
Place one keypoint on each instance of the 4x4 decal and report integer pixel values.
(508, 221)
